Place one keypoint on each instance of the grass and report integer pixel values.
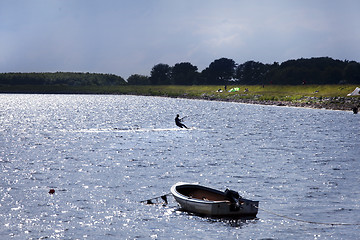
(256, 92)
(314, 96)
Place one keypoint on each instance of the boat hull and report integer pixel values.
(211, 202)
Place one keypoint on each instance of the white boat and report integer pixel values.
(211, 202)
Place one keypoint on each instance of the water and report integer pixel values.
(104, 154)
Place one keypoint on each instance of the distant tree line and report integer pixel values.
(61, 78)
(223, 71)
(322, 70)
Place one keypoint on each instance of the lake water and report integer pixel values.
(104, 154)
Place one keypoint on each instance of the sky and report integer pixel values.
(126, 37)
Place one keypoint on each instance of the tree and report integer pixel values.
(64, 78)
(137, 79)
(160, 74)
(221, 71)
(252, 72)
(323, 70)
(352, 73)
(184, 74)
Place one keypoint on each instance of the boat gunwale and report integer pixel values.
(198, 187)
(176, 193)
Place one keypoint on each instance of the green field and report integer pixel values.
(267, 92)
(313, 96)
(209, 92)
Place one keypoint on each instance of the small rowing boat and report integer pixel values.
(211, 202)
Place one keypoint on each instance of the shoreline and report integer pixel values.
(333, 103)
(304, 96)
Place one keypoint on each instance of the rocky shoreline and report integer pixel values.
(329, 103)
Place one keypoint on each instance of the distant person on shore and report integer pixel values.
(178, 122)
(355, 110)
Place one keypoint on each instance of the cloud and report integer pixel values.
(128, 37)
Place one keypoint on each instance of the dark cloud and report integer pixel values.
(126, 37)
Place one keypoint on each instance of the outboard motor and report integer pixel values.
(234, 199)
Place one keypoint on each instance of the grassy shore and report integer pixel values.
(313, 96)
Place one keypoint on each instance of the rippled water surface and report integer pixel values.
(104, 154)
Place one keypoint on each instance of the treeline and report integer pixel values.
(223, 71)
(61, 78)
(323, 70)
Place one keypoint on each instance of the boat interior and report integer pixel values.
(201, 194)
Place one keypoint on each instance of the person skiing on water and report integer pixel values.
(178, 122)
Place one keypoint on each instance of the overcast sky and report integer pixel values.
(125, 37)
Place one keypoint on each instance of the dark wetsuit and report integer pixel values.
(355, 110)
(178, 122)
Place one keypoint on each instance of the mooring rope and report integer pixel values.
(162, 197)
(305, 221)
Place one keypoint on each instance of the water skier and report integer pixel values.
(178, 122)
